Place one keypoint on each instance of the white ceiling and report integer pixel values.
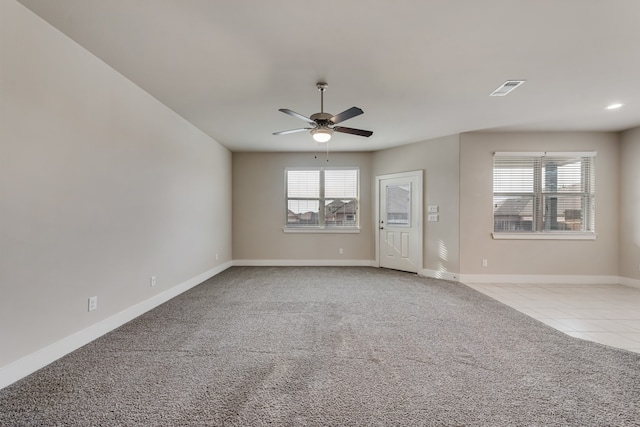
(419, 69)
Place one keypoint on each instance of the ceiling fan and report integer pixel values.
(324, 124)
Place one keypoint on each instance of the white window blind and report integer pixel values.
(544, 192)
(305, 184)
(341, 183)
(322, 198)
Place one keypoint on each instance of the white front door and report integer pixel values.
(400, 221)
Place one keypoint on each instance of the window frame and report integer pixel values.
(321, 227)
(539, 197)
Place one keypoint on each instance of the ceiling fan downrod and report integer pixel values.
(322, 87)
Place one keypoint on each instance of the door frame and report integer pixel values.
(418, 174)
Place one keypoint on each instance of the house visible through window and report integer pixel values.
(543, 192)
(322, 198)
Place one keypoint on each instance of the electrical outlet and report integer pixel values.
(153, 281)
(485, 263)
(432, 218)
(341, 251)
(432, 208)
(93, 303)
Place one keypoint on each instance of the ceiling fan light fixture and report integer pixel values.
(321, 134)
(323, 124)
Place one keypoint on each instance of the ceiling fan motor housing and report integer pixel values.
(322, 119)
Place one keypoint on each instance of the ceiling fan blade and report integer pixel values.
(297, 115)
(353, 131)
(286, 132)
(346, 115)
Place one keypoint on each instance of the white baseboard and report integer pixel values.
(304, 263)
(437, 274)
(41, 358)
(634, 283)
(37, 360)
(539, 278)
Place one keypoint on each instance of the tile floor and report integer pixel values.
(608, 314)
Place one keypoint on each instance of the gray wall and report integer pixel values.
(101, 186)
(630, 205)
(259, 210)
(536, 257)
(439, 159)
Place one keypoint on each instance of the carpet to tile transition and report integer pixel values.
(325, 346)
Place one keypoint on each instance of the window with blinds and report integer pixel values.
(322, 198)
(544, 192)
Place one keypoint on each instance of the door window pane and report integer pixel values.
(398, 204)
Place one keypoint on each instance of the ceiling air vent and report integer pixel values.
(507, 87)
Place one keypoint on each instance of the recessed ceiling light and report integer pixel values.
(614, 106)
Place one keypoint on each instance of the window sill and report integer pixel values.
(327, 230)
(544, 236)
